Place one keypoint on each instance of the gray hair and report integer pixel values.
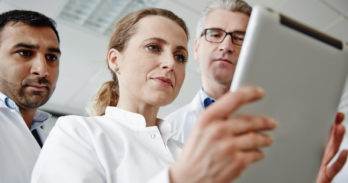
(230, 5)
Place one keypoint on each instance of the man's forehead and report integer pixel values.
(14, 33)
(227, 20)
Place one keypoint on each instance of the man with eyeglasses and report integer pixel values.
(220, 35)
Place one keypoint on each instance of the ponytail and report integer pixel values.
(107, 95)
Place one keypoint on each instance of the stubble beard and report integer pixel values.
(25, 98)
(32, 100)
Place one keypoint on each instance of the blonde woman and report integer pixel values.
(147, 57)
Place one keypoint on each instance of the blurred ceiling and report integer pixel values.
(84, 26)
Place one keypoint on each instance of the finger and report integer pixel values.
(339, 118)
(245, 124)
(337, 165)
(229, 103)
(251, 141)
(235, 127)
(335, 140)
(338, 136)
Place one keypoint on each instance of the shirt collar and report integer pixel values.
(39, 118)
(9, 103)
(203, 96)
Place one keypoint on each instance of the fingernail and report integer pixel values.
(273, 122)
(271, 139)
(260, 90)
(339, 118)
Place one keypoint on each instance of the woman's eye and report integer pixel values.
(154, 48)
(180, 58)
(25, 53)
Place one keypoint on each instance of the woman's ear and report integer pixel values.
(114, 59)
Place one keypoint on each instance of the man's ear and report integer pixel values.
(195, 49)
(114, 59)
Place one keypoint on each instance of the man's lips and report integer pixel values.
(163, 81)
(223, 60)
(38, 87)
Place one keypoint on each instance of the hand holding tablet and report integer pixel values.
(303, 73)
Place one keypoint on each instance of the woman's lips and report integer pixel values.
(164, 81)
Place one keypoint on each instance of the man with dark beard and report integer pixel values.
(29, 66)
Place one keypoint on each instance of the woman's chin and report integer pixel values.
(162, 101)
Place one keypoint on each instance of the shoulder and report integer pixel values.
(73, 121)
(77, 125)
(82, 126)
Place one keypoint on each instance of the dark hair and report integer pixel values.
(108, 94)
(31, 18)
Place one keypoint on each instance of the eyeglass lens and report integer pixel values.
(218, 35)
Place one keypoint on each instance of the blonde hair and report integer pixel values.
(230, 5)
(108, 94)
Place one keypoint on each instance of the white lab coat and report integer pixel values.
(116, 147)
(183, 119)
(18, 148)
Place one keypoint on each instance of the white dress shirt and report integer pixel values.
(18, 148)
(183, 119)
(116, 147)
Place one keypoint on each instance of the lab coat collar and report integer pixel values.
(137, 121)
(134, 120)
(196, 105)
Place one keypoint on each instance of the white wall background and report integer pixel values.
(83, 66)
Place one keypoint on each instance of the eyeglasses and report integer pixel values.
(216, 35)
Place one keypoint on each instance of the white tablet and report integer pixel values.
(303, 73)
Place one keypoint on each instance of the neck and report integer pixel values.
(28, 115)
(149, 112)
(215, 89)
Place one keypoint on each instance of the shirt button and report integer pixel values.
(153, 136)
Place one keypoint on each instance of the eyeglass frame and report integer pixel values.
(204, 32)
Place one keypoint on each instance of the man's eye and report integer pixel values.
(25, 53)
(215, 35)
(51, 57)
(238, 38)
(154, 48)
(180, 58)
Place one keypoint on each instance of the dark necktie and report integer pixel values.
(37, 137)
(208, 101)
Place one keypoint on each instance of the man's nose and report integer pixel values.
(39, 66)
(226, 44)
